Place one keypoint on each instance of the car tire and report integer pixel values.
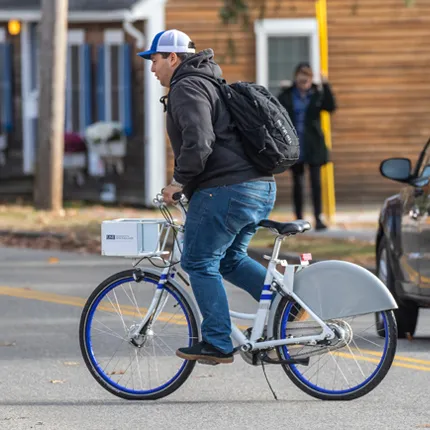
(407, 312)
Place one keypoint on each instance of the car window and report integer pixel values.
(424, 166)
(425, 171)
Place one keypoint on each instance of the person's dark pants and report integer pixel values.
(298, 171)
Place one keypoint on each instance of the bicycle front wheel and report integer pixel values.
(143, 367)
(351, 366)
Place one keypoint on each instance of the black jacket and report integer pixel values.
(315, 149)
(208, 152)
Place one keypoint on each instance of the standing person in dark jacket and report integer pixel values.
(228, 196)
(304, 102)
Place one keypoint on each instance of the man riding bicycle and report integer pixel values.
(227, 195)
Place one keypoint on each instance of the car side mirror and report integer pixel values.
(397, 169)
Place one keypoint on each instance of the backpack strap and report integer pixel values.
(215, 81)
(218, 83)
(164, 103)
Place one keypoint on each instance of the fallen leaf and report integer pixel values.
(71, 363)
(7, 343)
(58, 381)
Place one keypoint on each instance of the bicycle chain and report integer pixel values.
(322, 349)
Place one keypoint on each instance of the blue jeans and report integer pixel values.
(220, 224)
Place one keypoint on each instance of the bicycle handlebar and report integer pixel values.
(177, 196)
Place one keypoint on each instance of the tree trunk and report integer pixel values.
(48, 192)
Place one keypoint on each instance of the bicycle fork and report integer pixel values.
(155, 308)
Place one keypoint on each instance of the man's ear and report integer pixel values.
(174, 59)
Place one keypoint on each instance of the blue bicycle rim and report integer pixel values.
(296, 371)
(89, 348)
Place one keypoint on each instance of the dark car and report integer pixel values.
(403, 239)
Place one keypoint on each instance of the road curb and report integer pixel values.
(32, 234)
(255, 253)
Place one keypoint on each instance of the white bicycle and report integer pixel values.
(316, 321)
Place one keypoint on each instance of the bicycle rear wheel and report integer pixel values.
(145, 368)
(349, 368)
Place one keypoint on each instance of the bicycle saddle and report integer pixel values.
(299, 226)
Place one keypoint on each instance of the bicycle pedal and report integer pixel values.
(208, 362)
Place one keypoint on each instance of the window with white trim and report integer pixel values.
(78, 83)
(114, 70)
(113, 39)
(281, 45)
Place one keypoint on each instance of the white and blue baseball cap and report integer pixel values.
(169, 41)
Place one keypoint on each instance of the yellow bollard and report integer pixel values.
(327, 172)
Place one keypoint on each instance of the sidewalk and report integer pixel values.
(349, 223)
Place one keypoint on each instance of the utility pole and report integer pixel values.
(48, 190)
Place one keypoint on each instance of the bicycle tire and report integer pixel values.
(323, 394)
(84, 341)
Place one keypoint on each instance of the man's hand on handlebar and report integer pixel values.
(168, 193)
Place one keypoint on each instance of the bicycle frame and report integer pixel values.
(274, 281)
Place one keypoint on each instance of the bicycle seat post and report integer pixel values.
(277, 247)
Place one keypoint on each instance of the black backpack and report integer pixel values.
(268, 136)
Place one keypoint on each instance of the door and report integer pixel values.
(409, 231)
(423, 207)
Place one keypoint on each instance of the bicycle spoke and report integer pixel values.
(110, 334)
(133, 299)
(345, 367)
(338, 368)
(359, 350)
(156, 364)
(113, 356)
(118, 311)
(148, 361)
(168, 347)
(367, 340)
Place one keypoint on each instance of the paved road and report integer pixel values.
(45, 385)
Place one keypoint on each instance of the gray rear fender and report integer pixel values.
(338, 289)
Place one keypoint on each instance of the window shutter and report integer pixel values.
(101, 83)
(85, 87)
(6, 88)
(125, 93)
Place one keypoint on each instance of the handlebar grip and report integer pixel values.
(177, 196)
